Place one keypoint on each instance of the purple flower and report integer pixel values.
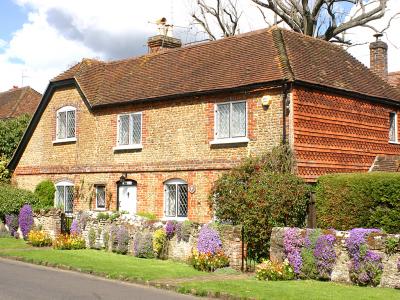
(12, 224)
(292, 244)
(170, 228)
(325, 255)
(209, 241)
(75, 228)
(122, 240)
(25, 219)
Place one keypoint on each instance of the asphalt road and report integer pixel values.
(21, 281)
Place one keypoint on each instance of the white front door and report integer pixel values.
(127, 198)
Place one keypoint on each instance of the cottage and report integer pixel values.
(152, 133)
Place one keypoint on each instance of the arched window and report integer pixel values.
(64, 197)
(66, 124)
(175, 198)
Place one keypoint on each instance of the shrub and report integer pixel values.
(183, 230)
(12, 199)
(147, 215)
(143, 245)
(346, 201)
(259, 194)
(92, 238)
(106, 239)
(366, 266)
(25, 220)
(122, 240)
(269, 270)
(12, 224)
(170, 228)
(209, 262)
(102, 216)
(45, 191)
(39, 238)
(11, 132)
(391, 245)
(309, 268)
(113, 237)
(159, 242)
(208, 241)
(5, 174)
(114, 216)
(69, 242)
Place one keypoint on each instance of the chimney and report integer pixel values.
(379, 57)
(164, 38)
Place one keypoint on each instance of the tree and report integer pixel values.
(223, 13)
(11, 132)
(324, 19)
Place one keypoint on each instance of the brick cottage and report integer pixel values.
(152, 133)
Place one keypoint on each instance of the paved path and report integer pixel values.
(20, 281)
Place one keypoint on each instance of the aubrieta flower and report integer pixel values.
(209, 241)
(292, 243)
(325, 255)
(25, 219)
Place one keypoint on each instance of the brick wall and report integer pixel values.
(337, 134)
(176, 144)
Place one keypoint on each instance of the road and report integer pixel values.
(21, 281)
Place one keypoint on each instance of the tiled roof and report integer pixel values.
(18, 101)
(248, 59)
(394, 79)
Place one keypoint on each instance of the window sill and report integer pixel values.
(241, 140)
(394, 143)
(174, 219)
(63, 141)
(128, 147)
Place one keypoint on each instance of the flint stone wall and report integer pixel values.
(231, 237)
(48, 221)
(340, 273)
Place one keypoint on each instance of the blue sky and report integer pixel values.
(12, 18)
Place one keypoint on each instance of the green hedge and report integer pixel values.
(12, 199)
(45, 191)
(345, 201)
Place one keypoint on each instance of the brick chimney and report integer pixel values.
(164, 38)
(379, 56)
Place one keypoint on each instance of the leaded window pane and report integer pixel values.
(136, 128)
(124, 130)
(60, 197)
(238, 123)
(62, 124)
(69, 199)
(223, 121)
(182, 200)
(70, 124)
(392, 129)
(100, 197)
(170, 201)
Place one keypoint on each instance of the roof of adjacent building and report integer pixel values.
(18, 101)
(258, 57)
(394, 79)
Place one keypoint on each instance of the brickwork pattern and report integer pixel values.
(336, 134)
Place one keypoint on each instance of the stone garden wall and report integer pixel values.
(340, 273)
(49, 221)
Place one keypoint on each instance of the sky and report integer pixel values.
(41, 38)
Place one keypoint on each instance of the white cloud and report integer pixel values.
(59, 33)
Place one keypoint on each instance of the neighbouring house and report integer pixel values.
(394, 79)
(18, 101)
(152, 133)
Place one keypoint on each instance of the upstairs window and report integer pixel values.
(66, 123)
(393, 136)
(65, 196)
(129, 131)
(100, 197)
(230, 120)
(176, 198)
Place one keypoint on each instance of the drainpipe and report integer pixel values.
(286, 88)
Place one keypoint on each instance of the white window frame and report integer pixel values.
(176, 182)
(105, 196)
(65, 109)
(130, 146)
(396, 140)
(229, 140)
(63, 184)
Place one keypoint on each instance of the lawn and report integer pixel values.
(288, 290)
(11, 243)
